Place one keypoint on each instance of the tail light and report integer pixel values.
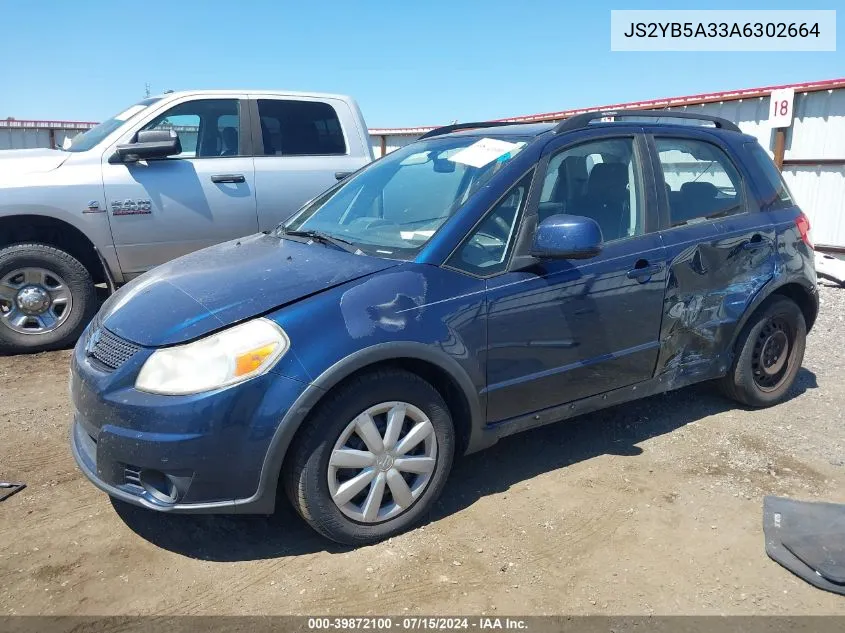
(802, 223)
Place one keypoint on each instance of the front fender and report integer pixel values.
(305, 403)
(65, 195)
(413, 312)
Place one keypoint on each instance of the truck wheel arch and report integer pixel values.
(44, 229)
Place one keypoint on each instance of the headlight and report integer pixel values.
(219, 360)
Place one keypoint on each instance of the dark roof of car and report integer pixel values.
(522, 129)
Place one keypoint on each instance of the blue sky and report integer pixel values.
(407, 62)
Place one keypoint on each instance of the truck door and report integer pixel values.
(161, 209)
(303, 146)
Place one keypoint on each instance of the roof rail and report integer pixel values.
(446, 129)
(580, 121)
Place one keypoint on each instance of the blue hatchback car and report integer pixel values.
(486, 279)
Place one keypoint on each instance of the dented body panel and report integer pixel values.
(539, 341)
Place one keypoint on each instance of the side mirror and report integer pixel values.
(566, 237)
(149, 144)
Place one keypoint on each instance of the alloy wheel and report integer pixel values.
(34, 300)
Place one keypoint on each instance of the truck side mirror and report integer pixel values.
(148, 144)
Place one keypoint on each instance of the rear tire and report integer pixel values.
(314, 481)
(770, 350)
(31, 277)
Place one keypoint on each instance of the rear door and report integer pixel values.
(161, 209)
(303, 146)
(720, 249)
(562, 330)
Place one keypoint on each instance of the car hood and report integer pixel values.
(219, 286)
(29, 161)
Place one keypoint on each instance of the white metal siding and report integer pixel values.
(821, 193)
(393, 142)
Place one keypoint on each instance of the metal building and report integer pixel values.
(16, 134)
(811, 152)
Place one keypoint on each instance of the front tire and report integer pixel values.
(47, 298)
(770, 350)
(372, 459)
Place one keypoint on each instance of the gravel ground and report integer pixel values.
(648, 508)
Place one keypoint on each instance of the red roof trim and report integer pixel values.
(670, 102)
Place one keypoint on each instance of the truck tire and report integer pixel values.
(47, 297)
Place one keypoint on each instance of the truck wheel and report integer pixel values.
(770, 350)
(46, 298)
(373, 458)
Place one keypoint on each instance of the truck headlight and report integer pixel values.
(216, 361)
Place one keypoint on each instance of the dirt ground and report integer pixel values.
(648, 508)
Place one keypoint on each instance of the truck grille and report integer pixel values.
(110, 350)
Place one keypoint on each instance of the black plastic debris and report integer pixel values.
(808, 539)
(7, 489)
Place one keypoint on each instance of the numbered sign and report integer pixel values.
(780, 107)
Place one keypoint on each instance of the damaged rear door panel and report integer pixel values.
(721, 250)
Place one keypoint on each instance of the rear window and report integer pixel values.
(770, 171)
(300, 128)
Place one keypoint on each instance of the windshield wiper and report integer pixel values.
(325, 238)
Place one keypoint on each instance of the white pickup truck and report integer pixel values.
(168, 175)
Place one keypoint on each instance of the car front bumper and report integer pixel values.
(201, 453)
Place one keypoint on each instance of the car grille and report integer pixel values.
(111, 350)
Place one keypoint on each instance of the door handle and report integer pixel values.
(228, 178)
(642, 269)
(340, 175)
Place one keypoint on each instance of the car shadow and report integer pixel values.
(613, 431)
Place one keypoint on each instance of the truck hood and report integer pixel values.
(28, 161)
(222, 285)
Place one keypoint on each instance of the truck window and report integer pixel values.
(87, 140)
(300, 128)
(206, 127)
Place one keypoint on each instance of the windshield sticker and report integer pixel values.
(410, 235)
(484, 151)
(129, 112)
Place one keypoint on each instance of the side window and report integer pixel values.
(701, 181)
(601, 180)
(485, 251)
(206, 127)
(300, 128)
(784, 197)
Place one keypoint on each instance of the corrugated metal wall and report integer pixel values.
(392, 142)
(817, 134)
(29, 138)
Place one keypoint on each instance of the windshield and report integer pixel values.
(86, 140)
(393, 207)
